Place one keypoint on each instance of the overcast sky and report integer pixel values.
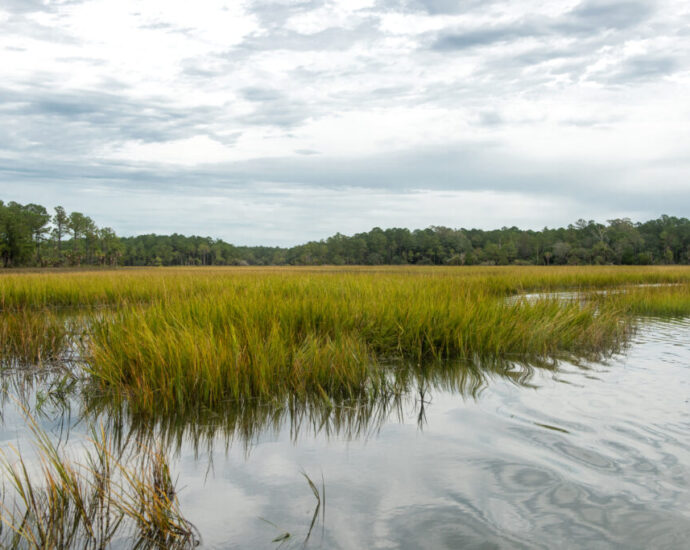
(281, 121)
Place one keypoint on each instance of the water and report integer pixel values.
(581, 456)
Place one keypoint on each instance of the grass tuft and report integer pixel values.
(57, 503)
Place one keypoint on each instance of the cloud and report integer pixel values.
(482, 37)
(588, 19)
(556, 107)
(274, 108)
(594, 15)
(640, 68)
(435, 7)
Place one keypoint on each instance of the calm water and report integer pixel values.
(593, 456)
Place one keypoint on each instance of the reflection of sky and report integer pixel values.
(594, 458)
(615, 473)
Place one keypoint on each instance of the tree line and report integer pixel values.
(30, 236)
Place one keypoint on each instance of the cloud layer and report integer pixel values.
(278, 121)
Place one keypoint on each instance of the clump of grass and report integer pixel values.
(32, 337)
(322, 336)
(60, 504)
(660, 301)
(217, 365)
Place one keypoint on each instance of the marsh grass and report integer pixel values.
(29, 337)
(323, 336)
(652, 301)
(175, 340)
(125, 287)
(58, 503)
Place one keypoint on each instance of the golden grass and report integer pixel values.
(656, 301)
(308, 336)
(176, 339)
(70, 289)
(31, 337)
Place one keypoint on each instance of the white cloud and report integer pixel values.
(125, 90)
(185, 152)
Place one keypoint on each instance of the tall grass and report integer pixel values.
(179, 339)
(20, 290)
(322, 336)
(660, 301)
(29, 337)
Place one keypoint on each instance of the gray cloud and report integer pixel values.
(333, 38)
(460, 99)
(587, 18)
(482, 37)
(490, 118)
(26, 6)
(77, 119)
(468, 167)
(274, 108)
(434, 7)
(595, 15)
(640, 68)
(273, 15)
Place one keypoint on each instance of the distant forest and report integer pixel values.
(32, 237)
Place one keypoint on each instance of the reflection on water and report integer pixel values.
(461, 455)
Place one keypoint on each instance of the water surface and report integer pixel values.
(580, 456)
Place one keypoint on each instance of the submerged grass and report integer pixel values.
(58, 503)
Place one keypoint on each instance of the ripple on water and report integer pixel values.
(593, 458)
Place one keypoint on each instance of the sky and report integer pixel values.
(281, 121)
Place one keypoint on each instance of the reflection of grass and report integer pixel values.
(319, 509)
(242, 422)
(60, 504)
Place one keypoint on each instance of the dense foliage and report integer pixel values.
(30, 236)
